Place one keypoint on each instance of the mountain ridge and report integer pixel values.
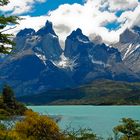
(82, 61)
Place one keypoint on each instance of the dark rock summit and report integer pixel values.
(47, 29)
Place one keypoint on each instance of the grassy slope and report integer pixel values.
(103, 92)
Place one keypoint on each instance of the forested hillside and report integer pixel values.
(101, 92)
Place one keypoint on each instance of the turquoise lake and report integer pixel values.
(101, 119)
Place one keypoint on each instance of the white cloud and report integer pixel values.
(90, 17)
(131, 17)
(122, 4)
(29, 22)
(114, 5)
(20, 6)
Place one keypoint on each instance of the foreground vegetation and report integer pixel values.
(101, 92)
(5, 38)
(9, 107)
(38, 127)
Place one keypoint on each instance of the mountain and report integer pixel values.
(94, 61)
(129, 46)
(38, 63)
(29, 67)
(44, 43)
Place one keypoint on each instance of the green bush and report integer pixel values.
(129, 129)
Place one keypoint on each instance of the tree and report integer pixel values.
(5, 39)
(8, 96)
(129, 129)
(37, 127)
(9, 104)
(3, 2)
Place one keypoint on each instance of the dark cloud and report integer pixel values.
(95, 38)
(62, 28)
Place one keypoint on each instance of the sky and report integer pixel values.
(104, 18)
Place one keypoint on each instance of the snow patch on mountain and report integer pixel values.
(54, 36)
(41, 57)
(127, 52)
(98, 62)
(82, 40)
(65, 62)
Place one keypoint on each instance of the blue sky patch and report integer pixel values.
(118, 13)
(44, 8)
(113, 25)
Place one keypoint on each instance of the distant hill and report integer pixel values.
(100, 92)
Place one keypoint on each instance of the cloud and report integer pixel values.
(87, 17)
(131, 18)
(96, 39)
(60, 28)
(92, 17)
(114, 5)
(18, 7)
(122, 4)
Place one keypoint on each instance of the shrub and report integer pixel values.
(37, 127)
(129, 129)
(80, 134)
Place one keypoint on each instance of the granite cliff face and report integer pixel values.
(129, 46)
(94, 61)
(38, 63)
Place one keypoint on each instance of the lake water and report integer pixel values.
(101, 119)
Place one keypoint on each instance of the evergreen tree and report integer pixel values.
(5, 39)
(8, 96)
(3, 2)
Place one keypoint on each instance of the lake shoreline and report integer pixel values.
(80, 105)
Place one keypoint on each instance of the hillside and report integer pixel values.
(101, 92)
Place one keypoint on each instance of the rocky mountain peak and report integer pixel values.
(78, 31)
(48, 24)
(77, 44)
(48, 28)
(26, 32)
(128, 36)
(129, 46)
(78, 35)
